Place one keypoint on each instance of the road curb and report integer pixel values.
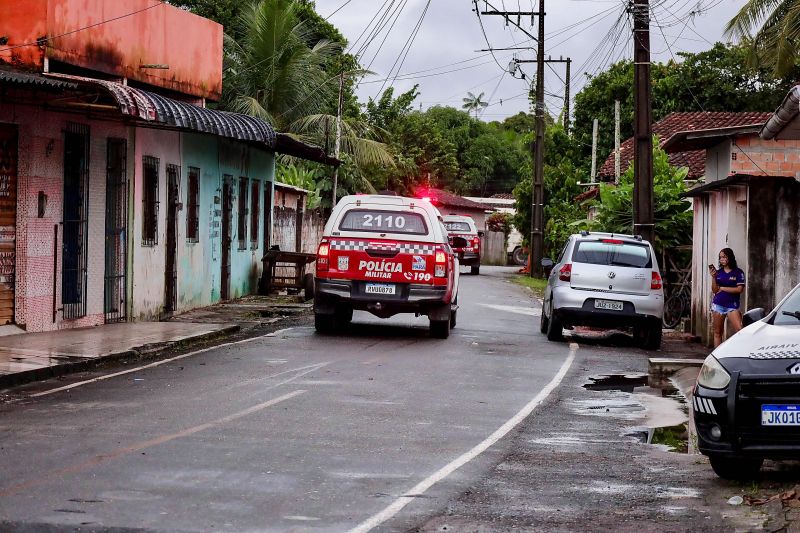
(143, 352)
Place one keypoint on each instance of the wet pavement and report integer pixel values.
(29, 356)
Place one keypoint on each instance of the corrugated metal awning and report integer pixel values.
(28, 78)
(152, 107)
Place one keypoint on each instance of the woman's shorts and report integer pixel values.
(722, 310)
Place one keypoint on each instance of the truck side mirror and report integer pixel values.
(753, 315)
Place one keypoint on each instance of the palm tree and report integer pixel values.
(777, 32)
(275, 73)
(472, 102)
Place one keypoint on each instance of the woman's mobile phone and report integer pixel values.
(710, 266)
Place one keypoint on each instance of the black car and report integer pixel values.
(747, 399)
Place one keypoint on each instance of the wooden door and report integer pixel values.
(8, 220)
(171, 267)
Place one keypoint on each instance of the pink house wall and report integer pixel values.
(41, 155)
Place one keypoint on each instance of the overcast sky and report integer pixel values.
(593, 33)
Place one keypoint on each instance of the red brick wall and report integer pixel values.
(759, 157)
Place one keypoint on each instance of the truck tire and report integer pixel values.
(736, 468)
(324, 324)
(440, 329)
(475, 270)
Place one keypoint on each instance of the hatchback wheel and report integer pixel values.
(648, 336)
(543, 322)
(555, 329)
(736, 468)
(475, 270)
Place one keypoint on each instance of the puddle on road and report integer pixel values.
(663, 412)
(617, 382)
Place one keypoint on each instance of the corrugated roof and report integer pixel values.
(673, 123)
(27, 78)
(152, 107)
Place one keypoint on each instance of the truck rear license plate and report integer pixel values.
(379, 288)
(608, 304)
(780, 415)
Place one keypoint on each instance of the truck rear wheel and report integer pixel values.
(475, 270)
(324, 324)
(440, 329)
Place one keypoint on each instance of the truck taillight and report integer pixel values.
(656, 282)
(440, 268)
(565, 273)
(323, 252)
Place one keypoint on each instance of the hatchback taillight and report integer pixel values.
(476, 242)
(655, 282)
(565, 272)
(440, 267)
(323, 252)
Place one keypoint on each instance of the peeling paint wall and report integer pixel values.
(41, 168)
(118, 38)
(149, 260)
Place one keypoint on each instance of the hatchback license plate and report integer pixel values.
(780, 415)
(379, 288)
(608, 304)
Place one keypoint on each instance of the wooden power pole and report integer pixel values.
(643, 216)
(537, 196)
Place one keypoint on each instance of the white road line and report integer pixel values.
(151, 365)
(457, 463)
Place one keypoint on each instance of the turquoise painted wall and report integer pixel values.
(199, 270)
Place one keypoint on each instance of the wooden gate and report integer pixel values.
(8, 220)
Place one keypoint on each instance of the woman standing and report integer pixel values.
(727, 284)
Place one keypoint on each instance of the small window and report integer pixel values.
(193, 206)
(612, 252)
(150, 201)
(242, 226)
(254, 212)
(376, 221)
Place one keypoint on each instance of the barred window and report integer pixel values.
(254, 212)
(242, 226)
(150, 200)
(193, 206)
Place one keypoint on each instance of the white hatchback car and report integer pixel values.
(604, 280)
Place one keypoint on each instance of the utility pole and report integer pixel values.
(537, 196)
(337, 146)
(643, 216)
(616, 142)
(566, 97)
(594, 149)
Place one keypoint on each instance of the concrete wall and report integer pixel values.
(149, 260)
(761, 223)
(199, 263)
(41, 168)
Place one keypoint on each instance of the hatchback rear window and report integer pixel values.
(377, 221)
(612, 253)
(457, 226)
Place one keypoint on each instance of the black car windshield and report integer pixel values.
(378, 221)
(612, 252)
(457, 226)
(789, 313)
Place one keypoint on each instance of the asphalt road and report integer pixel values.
(379, 426)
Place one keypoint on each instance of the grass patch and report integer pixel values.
(535, 284)
(675, 437)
